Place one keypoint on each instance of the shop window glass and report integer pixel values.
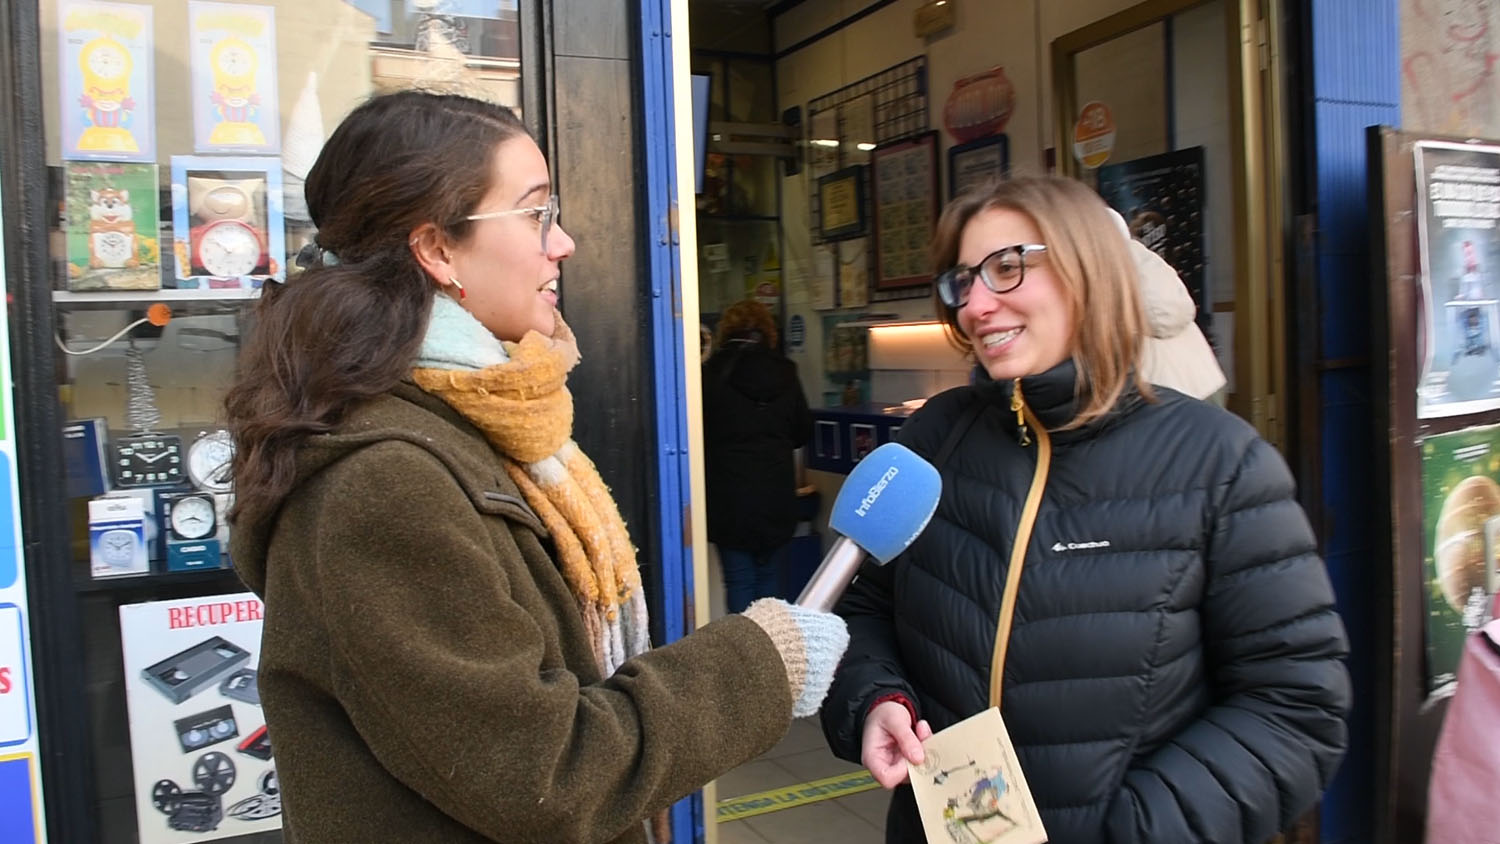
(177, 137)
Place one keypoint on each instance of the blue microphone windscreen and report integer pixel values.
(887, 500)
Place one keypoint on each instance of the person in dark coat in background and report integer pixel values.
(1174, 669)
(754, 417)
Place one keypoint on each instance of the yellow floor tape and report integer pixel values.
(792, 796)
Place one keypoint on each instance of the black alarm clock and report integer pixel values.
(148, 460)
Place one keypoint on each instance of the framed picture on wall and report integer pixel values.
(841, 204)
(976, 163)
(905, 192)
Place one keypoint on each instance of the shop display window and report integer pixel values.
(178, 134)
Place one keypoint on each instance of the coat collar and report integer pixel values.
(1053, 397)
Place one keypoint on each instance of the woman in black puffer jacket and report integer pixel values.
(1173, 670)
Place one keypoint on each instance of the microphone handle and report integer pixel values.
(833, 575)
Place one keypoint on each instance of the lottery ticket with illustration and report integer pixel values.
(970, 789)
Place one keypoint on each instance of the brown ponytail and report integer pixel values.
(341, 334)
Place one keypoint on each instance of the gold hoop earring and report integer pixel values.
(461, 294)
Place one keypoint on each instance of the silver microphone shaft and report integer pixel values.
(833, 575)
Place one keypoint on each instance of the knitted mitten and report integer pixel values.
(810, 643)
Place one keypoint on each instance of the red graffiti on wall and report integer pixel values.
(1450, 66)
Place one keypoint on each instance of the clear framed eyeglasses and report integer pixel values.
(545, 216)
(1001, 271)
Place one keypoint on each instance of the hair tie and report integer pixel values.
(312, 255)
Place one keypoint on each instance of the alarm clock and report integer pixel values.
(189, 528)
(117, 548)
(209, 459)
(147, 460)
(228, 249)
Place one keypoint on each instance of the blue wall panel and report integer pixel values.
(1356, 84)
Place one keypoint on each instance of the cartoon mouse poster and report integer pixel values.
(112, 226)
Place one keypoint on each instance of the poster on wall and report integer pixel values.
(202, 765)
(21, 816)
(906, 207)
(977, 163)
(1458, 225)
(824, 277)
(113, 229)
(234, 78)
(854, 273)
(108, 108)
(227, 224)
(823, 142)
(846, 361)
(1461, 542)
(1162, 199)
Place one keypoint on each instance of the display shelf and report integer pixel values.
(154, 580)
(114, 299)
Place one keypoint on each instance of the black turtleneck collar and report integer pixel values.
(1051, 397)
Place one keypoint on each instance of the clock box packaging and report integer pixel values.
(189, 530)
(85, 457)
(149, 510)
(117, 537)
(228, 227)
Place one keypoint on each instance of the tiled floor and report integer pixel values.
(800, 757)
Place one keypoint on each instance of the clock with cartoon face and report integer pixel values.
(227, 249)
(235, 60)
(107, 61)
(112, 248)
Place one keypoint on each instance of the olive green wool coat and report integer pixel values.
(425, 672)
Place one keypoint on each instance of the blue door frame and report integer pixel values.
(668, 350)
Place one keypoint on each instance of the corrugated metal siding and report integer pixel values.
(1356, 83)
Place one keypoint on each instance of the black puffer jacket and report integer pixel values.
(1174, 672)
(754, 416)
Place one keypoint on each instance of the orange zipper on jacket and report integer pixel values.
(1024, 418)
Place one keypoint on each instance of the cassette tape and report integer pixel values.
(206, 728)
(185, 673)
(242, 686)
(257, 744)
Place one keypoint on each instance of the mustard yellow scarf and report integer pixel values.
(516, 393)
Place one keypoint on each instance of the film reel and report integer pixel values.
(256, 807)
(213, 773)
(166, 796)
(268, 783)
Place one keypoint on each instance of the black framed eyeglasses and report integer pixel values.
(545, 215)
(1001, 271)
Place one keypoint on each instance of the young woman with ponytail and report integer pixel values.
(455, 646)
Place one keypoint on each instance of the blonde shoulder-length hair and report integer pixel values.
(1093, 264)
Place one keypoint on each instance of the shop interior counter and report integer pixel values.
(843, 435)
